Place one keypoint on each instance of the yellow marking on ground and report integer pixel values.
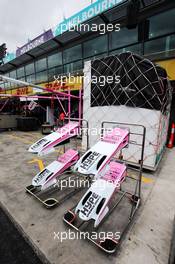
(40, 163)
(60, 151)
(147, 180)
(144, 179)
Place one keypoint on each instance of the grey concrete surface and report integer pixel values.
(147, 241)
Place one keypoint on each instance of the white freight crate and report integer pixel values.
(155, 122)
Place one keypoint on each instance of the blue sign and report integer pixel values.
(82, 16)
(35, 42)
(9, 57)
(85, 14)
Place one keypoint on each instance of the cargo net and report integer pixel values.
(130, 80)
(143, 96)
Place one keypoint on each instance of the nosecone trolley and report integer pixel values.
(110, 204)
(51, 185)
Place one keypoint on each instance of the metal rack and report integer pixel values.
(123, 206)
(54, 195)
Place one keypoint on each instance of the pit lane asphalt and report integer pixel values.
(13, 247)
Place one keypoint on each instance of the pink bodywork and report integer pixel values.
(66, 132)
(67, 156)
(116, 173)
(116, 135)
(95, 159)
(67, 159)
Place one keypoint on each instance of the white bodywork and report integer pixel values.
(46, 145)
(94, 160)
(97, 152)
(94, 204)
(41, 143)
(48, 172)
(48, 176)
(87, 210)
